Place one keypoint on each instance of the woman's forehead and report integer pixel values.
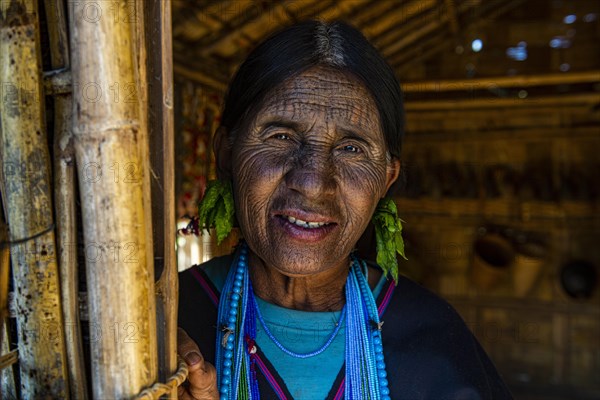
(324, 93)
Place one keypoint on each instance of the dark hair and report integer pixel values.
(305, 45)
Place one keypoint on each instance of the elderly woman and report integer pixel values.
(308, 147)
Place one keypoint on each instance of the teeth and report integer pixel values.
(305, 224)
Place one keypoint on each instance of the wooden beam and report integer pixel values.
(380, 29)
(400, 60)
(233, 28)
(516, 81)
(410, 37)
(487, 103)
(413, 55)
(452, 16)
(199, 77)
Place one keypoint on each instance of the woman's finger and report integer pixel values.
(202, 375)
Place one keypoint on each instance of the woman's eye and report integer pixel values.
(351, 149)
(281, 136)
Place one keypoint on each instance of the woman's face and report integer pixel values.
(309, 171)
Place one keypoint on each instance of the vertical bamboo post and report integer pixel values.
(4, 270)
(138, 25)
(8, 389)
(160, 105)
(7, 382)
(7, 385)
(108, 145)
(28, 202)
(64, 200)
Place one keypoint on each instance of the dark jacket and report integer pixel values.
(429, 351)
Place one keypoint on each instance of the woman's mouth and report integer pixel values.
(307, 229)
(304, 224)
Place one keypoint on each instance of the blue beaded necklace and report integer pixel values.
(366, 376)
(287, 351)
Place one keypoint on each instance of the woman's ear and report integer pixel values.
(222, 149)
(392, 173)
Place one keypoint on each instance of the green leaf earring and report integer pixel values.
(216, 210)
(388, 234)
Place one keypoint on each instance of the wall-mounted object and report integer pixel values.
(529, 261)
(579, 279)
(493, 255)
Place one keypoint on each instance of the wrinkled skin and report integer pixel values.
(315, 151)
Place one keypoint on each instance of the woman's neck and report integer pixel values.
(318, 292)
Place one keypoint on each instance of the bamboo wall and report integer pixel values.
(527, 172)
(89, 309)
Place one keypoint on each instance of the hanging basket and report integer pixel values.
(492, 257)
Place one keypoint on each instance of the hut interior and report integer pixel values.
(501, 191)
(502, 126)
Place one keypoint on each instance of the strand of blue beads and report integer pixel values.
(376, 341)
(355, 382)
(234, 332)
(368, 308)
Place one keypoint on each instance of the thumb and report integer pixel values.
(202, 375)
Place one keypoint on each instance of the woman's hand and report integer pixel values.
(202, 375)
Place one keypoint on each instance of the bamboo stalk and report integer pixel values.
(435, 22)
(139, 33)
(28, 201)
(502, 82)
(108, 139)
(379, 28)
(160, 102)
(8, 389)
(4, 269)
(452, 17)
(497, 102)
(65, 202)
(8, 359)
(7, 384)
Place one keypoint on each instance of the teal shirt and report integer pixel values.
(300, 332)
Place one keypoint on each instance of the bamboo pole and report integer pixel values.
(28, 202)
(452, 17)
(160, 104)
(501, 102)
(65, 202)
(501, 82)
(8, 389)
(412, 36)
(199, 77)
(108, 144)
(4, 270)
(7, 384)
(141, 76)
(378, 29)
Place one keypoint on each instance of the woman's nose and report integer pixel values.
(312, 177)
